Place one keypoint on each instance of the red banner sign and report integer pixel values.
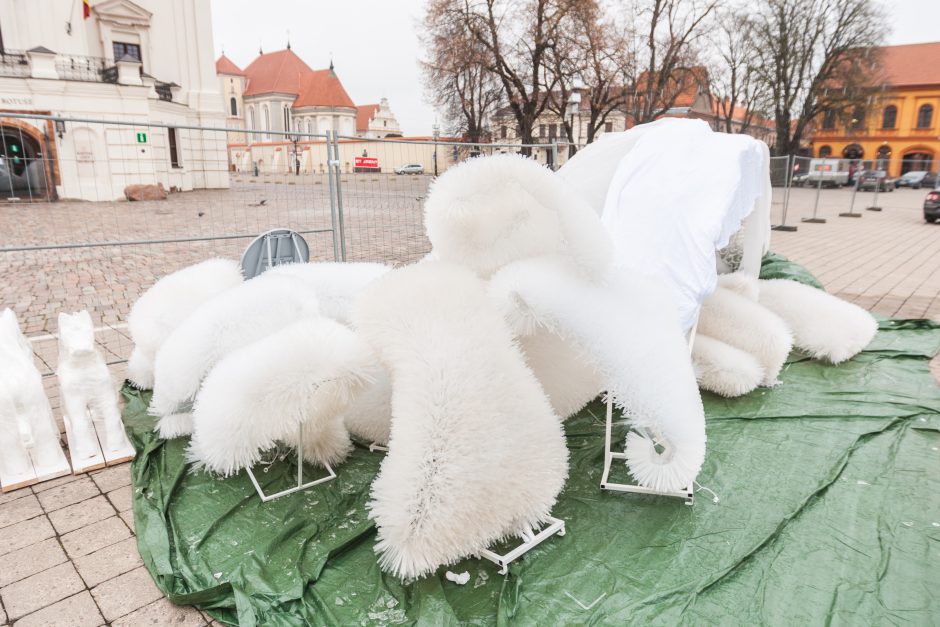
(367, 162)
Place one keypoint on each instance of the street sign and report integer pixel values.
(141, 138)
(367, 162)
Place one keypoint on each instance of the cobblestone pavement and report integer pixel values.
(68, 555)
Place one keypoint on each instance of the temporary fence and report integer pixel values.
(70, 241)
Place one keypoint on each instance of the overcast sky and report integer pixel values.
(374, 43)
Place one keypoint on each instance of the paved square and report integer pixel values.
(68, 554)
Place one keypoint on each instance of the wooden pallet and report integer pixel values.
(103, 457)
(35, 474)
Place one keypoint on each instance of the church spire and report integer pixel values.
(288, 39)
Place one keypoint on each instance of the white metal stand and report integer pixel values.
(530, 540)
(609, 456)
(688, 494)
(300, 474)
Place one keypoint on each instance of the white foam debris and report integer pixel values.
(860, 482)
(460, 579)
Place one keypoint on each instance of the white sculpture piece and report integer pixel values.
(166, 304)
(549, 260)
(304, 375)
(88, 394)
(29, 438)
(476, 453)
(235, 318)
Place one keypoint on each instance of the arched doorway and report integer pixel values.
(22, 164)
(916, 162)
(883, 159)
(854, 153)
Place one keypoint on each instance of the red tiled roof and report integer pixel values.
(224, 65)
(911, 64)
(364, 115)
(278, 72)
(322, 88)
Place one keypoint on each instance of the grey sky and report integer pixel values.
(375, 48)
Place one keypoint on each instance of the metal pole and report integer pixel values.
(874, 202)
(334, 219)
(814, 219)
(851, 213)
(788, 180)
(339, 197)
(554, 154)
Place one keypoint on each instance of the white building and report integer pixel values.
(145, 62)
(278, 93)
(375, 121)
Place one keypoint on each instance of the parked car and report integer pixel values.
(932, 205)
(876, 180)
(411, 168)
(916, 180)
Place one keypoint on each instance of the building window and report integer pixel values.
(233, 105)
(541, 130)
(552, 131)
(172, 133)
(825, 151)
(122, 49)
(890, 117)
(310, 125)
(858, 119)
(829, 119)
(266, 120)
(286, 118)
(251, 118)
(925, 116)
(608, 127)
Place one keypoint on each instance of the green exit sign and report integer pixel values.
(141, 138)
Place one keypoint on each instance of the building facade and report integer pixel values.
(282, 104)
(899, 129)
(691, 99)
(376, 121)
(147, 63)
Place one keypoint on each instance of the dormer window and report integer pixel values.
(122, 49)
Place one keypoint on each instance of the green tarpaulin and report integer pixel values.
(828, 513)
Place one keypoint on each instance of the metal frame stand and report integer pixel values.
(609, 456)
(300, 475)
(851, 212)
(783, 226)
(814, 219)
(874, 202)
(687, 493)
(530, 540)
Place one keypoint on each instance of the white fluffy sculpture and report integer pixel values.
(166, 304)
(305, 374)
(476, 453)
(585, 328)
(86, 390)
(338, 285)
(747, 323)
(233, 319)
(824, 326)
(27, 428)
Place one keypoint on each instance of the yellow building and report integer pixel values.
(900, 130)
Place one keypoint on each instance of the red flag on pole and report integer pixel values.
(86, 9)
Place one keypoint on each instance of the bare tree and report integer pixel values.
(814, 56)
(517, 37)
(738, 95)
(591, 57)
(666, 38)
(455, 77)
